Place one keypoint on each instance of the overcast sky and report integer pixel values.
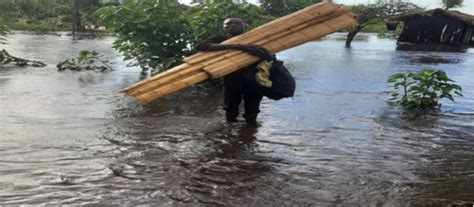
(430, 4)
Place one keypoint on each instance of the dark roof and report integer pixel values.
(469, 19)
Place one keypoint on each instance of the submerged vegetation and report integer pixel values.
(422, 90)
(6, 58)
(87, 60)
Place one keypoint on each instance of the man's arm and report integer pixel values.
(211, 44)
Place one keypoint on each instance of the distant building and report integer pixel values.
(435, 30)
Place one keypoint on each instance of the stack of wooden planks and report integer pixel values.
(286, 32)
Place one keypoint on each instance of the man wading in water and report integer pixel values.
(239, 84)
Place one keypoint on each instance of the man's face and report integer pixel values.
(234, 26)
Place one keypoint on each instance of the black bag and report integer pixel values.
(283, 84)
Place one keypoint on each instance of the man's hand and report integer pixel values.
(254, 50)
(258, 51)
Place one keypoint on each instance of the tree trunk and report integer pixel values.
(351, 35)
(76, 24)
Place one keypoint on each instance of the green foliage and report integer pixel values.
(449, 4)
(87, 60)
(368, 14)
(423, 89)
(6, 58)
(158, 34)
(152, 33)
(280, 8)
(46, 14)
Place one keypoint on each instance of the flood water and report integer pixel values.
(72, 138)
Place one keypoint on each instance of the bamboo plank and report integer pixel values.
(165, 73)
(305, 25)
(316, 32)
(340, 22)
(289, 41)
(229, 53)
(171, 88)
(272, 27)
(272, 36)
(307, 10)
(292, 40)
(157, 83)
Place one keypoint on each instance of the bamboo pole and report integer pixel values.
(217, 64)
(165, 80)
(171, 88)
(158, 76)
(218, 56)
(292, 40)
(135, 89)
(272, 27)
(236, 62)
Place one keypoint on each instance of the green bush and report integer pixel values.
(157, 35)
(87, 60)
(423, 89)
(153, 34)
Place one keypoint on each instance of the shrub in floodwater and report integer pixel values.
(87, 60)
(423, 89)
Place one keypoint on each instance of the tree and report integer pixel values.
(280, 8)
(158, 35)
(449, 4)
(153, 34)
(368, 14)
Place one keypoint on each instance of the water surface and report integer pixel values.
(72, 138)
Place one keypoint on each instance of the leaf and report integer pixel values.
(396, 76)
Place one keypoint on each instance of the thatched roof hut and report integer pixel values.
(435, 30)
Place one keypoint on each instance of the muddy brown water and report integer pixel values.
(72, 138)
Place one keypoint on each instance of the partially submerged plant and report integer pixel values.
(423, 89)
(6, 58)
(87, 60)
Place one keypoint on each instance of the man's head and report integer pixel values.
(234, 26)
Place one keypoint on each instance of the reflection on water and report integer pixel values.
(433, 59)
(72, 138)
